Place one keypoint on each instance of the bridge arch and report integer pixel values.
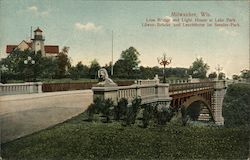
(189, 101)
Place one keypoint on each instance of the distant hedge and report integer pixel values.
(236, 106)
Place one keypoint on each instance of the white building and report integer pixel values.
(36, 44)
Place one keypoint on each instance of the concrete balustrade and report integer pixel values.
(177, 81)
(147, 81)
(20, 88)
(148, 93)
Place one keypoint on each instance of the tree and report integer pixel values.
(235, 77)
(108, 106)
(120, 70)
(14, 66)
(133, 110)
(129, 59)
(63, 62)
(245, 74)
(93, 69)
(236, 105)
(198, 69)
(222, 76)
(48, 67)
(148, 112)
(212, 75)
(79, 71)
(120, 109)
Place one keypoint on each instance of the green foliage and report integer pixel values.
(13, 66)
(184, 116)
(198, 69)
(79, 71)
(222, 76)
(94, 67)
(163, 115)
(148, 114)
(132, 111)
(120, 70)
(129, 59)
(63, 62)
(212, 75)
(236, 105)
(95, 108)
(120, 109)
(245, 74)
(235, 77)
(107, 107)
(76, 139)
(91, 111)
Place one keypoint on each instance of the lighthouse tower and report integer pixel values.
(38, 41)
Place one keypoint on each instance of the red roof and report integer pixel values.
(51, 49)
(38, 30)
(48, 49)
(10, 48)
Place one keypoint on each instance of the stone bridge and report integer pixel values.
(208, 95)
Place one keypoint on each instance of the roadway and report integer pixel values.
(21, 115)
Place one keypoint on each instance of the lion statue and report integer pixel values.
(105, 81)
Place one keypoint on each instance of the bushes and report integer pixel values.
(236, 106)
(120, 109)
(128, 113)
(132, 111)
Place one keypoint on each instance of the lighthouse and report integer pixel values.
(38, 41)
(36, 45)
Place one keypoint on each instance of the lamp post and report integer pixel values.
(136, 68)
(164, 61)
(29, 61)
(218, 69)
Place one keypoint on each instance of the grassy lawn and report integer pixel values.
(79, 139)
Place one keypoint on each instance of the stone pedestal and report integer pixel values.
(106, 92)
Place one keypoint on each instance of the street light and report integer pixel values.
(136, 68)
(164, 61)
(218, 69)
(28, 61)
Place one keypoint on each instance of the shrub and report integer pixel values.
(163, 114)
(94, 108)
(236, 105)
(132, 111)
(98, 104)
(184, 116)
(91, 111)
(108, 106)
(120, 109)
(148, 112)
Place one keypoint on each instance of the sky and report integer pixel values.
(86, 27)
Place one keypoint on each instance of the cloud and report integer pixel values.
(87, 27)
(34, 10)
(227, 32)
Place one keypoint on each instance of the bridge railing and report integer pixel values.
(20, 88)
(190, 87)
(147, 93)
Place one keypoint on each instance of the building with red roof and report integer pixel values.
(36, 44)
